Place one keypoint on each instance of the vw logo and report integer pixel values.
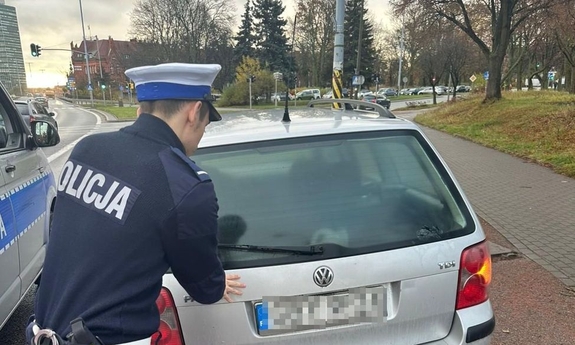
(323, 276)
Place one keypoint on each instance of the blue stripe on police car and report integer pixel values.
(21, 208)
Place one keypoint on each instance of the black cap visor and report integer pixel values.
(214, 114)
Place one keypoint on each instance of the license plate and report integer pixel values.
(276, 315)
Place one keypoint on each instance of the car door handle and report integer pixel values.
(10, 168)
(41, 169)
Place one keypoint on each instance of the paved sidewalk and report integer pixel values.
(533, 207)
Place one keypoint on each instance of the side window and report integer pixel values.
(10, 135)
(23, 108)
(5, 127)
(35, 108)
(38, 108)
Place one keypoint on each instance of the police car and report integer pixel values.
(347, 227)
(27, 196)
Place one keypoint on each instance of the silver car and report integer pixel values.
(347, 228)
(27, 198)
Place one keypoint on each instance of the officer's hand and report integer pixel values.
(232, 286)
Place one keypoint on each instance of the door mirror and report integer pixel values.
(44, 133)
(51, 114)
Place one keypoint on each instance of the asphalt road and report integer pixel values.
(74, 123)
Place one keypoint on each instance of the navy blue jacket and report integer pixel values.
(130, 205)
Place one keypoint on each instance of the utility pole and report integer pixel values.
(291, 72)
(336, 84)
(358, 63)
(86, 55)
(250, 83)
(401, 47)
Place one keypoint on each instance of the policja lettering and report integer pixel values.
(97, 190)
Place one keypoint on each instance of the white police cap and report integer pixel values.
(176, 81)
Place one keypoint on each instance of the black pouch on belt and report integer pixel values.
(81, 335)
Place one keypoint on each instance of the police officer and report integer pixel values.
(130, 205)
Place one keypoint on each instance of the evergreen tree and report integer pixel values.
(245, 38)
(271, 41)
(353, 16)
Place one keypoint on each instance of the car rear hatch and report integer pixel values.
(345, 238)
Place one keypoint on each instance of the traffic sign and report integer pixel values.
(90, 88)
(473, 78)
(358, 80)
(278, 75)
(405, 79)
(486, 75)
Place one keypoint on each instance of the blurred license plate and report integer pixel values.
(276, 315)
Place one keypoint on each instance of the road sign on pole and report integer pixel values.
(358, 80)
(486, 75)
(473, 78)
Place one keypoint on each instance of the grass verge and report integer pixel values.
(122, 113)
(538, 125)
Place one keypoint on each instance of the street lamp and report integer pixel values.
(86, 55)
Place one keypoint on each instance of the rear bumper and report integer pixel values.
(472, 325)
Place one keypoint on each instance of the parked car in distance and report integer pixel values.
(364, 92)
(463, 88)
(363, 236)
(425, 90)
(441, 90)
(281, 96)
(379, 99)
(308, 94)
(43, 101)
(28, 196)
(387, 92)
(32, 111)
(329, 94)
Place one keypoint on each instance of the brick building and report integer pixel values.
(109, 56)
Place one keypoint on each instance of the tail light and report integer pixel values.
(169, 331)
(474, 276)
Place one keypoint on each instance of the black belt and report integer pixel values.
(80, 335)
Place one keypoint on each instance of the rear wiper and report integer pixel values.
(297, 250)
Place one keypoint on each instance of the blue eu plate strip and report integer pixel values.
(262, 317)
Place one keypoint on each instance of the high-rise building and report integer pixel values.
(12, 69)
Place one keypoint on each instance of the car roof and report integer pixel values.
(237, 129)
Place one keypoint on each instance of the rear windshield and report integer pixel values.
(23, 108)
(351, 194)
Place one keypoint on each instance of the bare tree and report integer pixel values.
(433, 59)
(314, 39)
(563, 28)
(458, 51)
(182, 30)
(504, 16)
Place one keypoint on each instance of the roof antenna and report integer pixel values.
(286, 117)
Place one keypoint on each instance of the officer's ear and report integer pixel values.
(193, 111)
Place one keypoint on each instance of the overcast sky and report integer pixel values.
(56, 23)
